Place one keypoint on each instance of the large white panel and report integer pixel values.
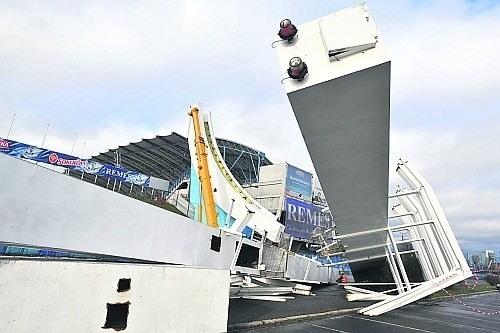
(303, 269)
(275, 172)
(40, 207)
(338, 28)
(47, 296)
(347, 32)
(342, 108)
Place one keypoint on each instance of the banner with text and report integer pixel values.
(24, 151)
(302, 218)
(298, 183)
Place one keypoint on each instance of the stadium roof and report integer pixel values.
(167, 157)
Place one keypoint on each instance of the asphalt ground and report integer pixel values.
(326, 300)
(477, 313)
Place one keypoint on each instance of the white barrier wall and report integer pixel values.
(43, 208)
(65, 296)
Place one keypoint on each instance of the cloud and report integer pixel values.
(279, 138)
(49, 43)
(464, 177)
(84, 144)
(89, 37)
(444, 59)
(451, 158)
(477, 234)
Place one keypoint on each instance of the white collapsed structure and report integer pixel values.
(342, 106)
(337, 76)
(42, 208)
(339, 88)
(432, 240)
(236, 210)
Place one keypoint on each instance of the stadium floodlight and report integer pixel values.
(287, 30)
(297, 69)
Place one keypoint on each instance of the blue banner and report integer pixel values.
(24, 151)
(298, 183)
(302, 218)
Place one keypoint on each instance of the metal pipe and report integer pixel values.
(228, 218)
(401, 215)
(11, 123)
(354, 260)
(399, 261)
(401, 194)
(374, 231)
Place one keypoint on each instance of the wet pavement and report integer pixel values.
(477, 313)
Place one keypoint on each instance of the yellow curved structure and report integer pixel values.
(236, 210)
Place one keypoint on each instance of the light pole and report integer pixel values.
(11, 123)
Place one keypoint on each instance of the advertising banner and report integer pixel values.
(113, 172)
(24, 151)
(302, 218)
(298, 183)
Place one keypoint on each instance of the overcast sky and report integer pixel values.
(118, 71)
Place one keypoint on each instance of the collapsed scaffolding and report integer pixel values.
(431, 240)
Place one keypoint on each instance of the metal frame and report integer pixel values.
(167, 157)
(433, 241)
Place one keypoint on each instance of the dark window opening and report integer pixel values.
(123, 285)
(215, 243)
(249, 256)
(257, 236)
(116, 316)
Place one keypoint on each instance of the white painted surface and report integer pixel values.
(246, 211)
(43, 208)
(273, 173)
(440, 256)
(347, 32)
(270, 189)
(342, 108)
(40, 296)
(345, 28)
(303, 269)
